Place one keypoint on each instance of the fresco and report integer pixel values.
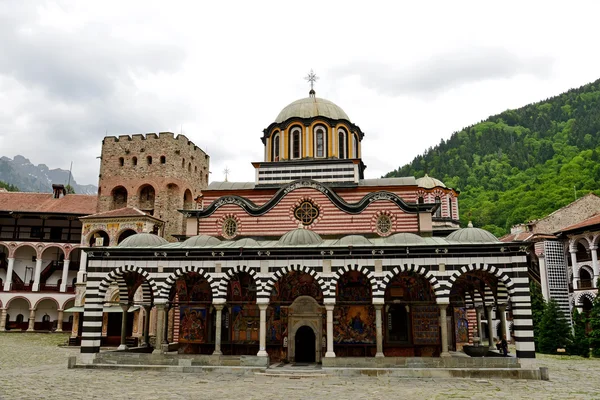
(192, 327)
(425, 322)
(277, 329)
(355, 287)
(410, 287)
(461, 325)
(295, 284)
(354, 324)
(193, 287)
(245, 323)
(241, 288)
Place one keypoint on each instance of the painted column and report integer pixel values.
(123, 345)
(146, 328)
(65, 274)
(478, 315)
(9, 274)
(575, 270)
(82, 267)
(219, 322)
(502, 311)
(30, 328)
(59, 321)
(379, 330)
(330, 352)
(488, 310)
(165, 337)
(3, 313)
(262, 351)
(444, 326)
(38, 271)
(594, 252)
(160, 328)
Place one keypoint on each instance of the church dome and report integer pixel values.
(428, 182)
(472, 235)
(201, 241)
(310, 107)
(404, 238)
(143, 240)
(355, 240)
(300, 237)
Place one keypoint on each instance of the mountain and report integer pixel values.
(21, 173)
(521, 164)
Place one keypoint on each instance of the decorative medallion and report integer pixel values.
(229, 228)
(306, 212)
(383, 223)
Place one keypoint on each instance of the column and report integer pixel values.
(575, 269)
(3, 313)
(488, 310)
(30, 328)
(166, 325)
(9, 274)
(38, 271)
(262, 350)
(444, 326)
(219, 309)
(379, 330)
(593, 250)
(478, 315)
(330, 352)
(502, 311)
(59, 321)
(160, 328)
(123, 345)
(65, 275)
(146, 328)
(82, 267)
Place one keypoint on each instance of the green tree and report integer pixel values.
(9, 187)
(594, 320)
(554, 330)
(70, 189)
(581, 344)
(538, 304)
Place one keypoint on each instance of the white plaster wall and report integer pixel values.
(46, 307)
(16, 307)
(53, 279)
(23, 258)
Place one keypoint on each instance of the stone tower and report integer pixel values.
(158, 174)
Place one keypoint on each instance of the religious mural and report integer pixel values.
(461, 325)
(354, 287)
(192, 287)
(245, 323)
(425, 323)
(277, 324)
(293, 285)
(354, 324)
(193, 324)
(241, 288)
(410, 287)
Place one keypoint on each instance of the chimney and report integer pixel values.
(59, 191)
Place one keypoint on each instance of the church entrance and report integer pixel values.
(305, 345)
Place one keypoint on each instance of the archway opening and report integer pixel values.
(188, 202)
(119, 198)
(585, 279)
(304, 342)
(18, 315)
(242, 317)
(146, 198)
(125, 234)
(99, 239)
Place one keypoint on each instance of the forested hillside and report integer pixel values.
(521, 164)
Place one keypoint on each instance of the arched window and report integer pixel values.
(342, 144)
(320, 143)
(296, 144)
(438, 212)
(354, 146)
(190, 167)
(163, 159)
(121, 161)
(183, 163)
(134, 160)
(19, 319)
(421, 200)
(149, 160)
(195, 168)
(275, 145)
(450, 207)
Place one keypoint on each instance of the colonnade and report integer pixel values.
(31, 323)
(36, 276)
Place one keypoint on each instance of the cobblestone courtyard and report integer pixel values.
(32, 366)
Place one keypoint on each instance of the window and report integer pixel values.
(438, 212)
(121, 161)
(163, 159)
(296, 143)
(190, 167)
(450, 207)
(230, 227)
(398, 324)
(19, 319)
(183, 163)
(134, 160)
(276, 147)
(354, 146)
(36, 232)
(341, 144)
(56, 233)
(195, 168)
(384, 225)
(149, 160)
(421, 200)
(306, 212)
(320, 143)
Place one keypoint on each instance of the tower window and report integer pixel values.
(320, 143)
(190, 167)
(342, 144)
(421, 200)
(183, 163)
(296, 143)
(438, 212)
(121, 161)
(354, 146)
(195, 168)
(134, 160)
(163, 160)
(149, 160)
(450, 207)
(276, 147)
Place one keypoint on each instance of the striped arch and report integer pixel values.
(488, 295)
(502, 277)
(231, 273)
(170, 281)
(579, 299)
(149, 287)
(439, 290)
(376, 290)
(270, 283)
(502, 294)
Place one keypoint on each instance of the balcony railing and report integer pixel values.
(584, 284)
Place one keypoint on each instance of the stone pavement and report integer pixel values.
(32, 366)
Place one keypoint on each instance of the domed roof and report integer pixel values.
(246, 242)
(472, 235)
(143, 240)
(311, 107)
(201, 241)
(354, 240)
(299, 237)
(404, 238)
(428, 182)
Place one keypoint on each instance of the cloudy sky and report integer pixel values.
(408, 73)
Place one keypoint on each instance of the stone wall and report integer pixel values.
(579, 210)
(173, 166)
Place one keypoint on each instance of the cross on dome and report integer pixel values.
(312, 78)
